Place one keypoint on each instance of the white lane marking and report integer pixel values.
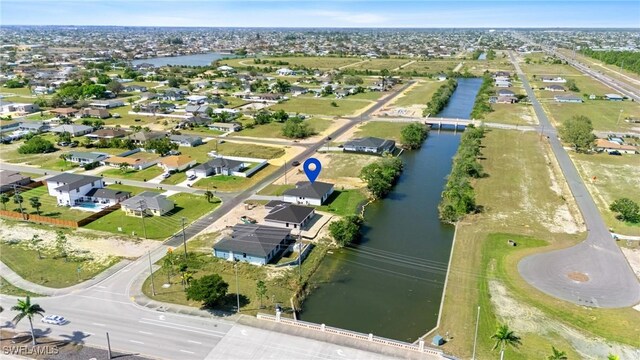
(137, 342)
(194, 342)
(186, 328)
(161, 317)
(243, 332)
(187, 352)
(97, 298)
(145, 332)
(98, 324)
(101, 286)
(109, 292)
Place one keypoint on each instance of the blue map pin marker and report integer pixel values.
(312, 174)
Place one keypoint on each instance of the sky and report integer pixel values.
(323, 13)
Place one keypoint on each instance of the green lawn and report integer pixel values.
(344, 202)
(345, 165)
(514, 114)
(317, 62)
(380, 64)
(49, 271)
(420, 94)
(274, 129)
(134, 190)
(233, 183)
(381, 129)
(275, 190)
(228, 148)
(175, 178)
(322, 106)
(431, 66)
(49, 206)
(142, 175)
(603, 114)
(189, 206)
(616, 177)
(8, 289)
(22, 91)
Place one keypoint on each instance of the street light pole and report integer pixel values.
(619, 116)
(235, 265)
(153, 288)
(108, 348)
(475, 339)
(184, 241)
(285, 171)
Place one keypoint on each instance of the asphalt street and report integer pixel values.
(610, 282)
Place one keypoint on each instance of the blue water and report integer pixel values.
(482, 56)
(185, 60)
(391, 282)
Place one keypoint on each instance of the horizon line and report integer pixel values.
(332, 27)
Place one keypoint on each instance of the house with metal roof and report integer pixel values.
(288, 216)
(370, 145)
(147, 203)
(254, 244)
(9, 179)
(82, 157)
(217, 166)
(72, 189)
(73, 129)
(567, 99)
(186, 140)
(308, 193)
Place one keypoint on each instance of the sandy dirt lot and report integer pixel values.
(100, 245)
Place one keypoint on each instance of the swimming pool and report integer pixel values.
(90, 206)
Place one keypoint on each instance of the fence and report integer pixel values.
(23, 188)
(59, 222)
(354, 335)
(303, 255)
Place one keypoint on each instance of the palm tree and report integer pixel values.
(35, 203)
(27, 310)
(64, 157)
(261, 290)
(4, 199)
(209, 195)
(18, 199)
(557, 354)
(35, 242)
(504, 337)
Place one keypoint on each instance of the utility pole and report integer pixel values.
(184, 241)
(300, 253)
(475, 339)
(235, 265)
(285, 171)
(143, 211)
(108, 348)
(153, 288)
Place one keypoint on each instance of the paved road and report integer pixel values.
(611, 282)
(113, 305)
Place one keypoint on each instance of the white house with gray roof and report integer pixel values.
(73, 129)
(147, 203)
(288, 216)
(186, 140)
(72, 189)
(217, 166)
(254, 244)
(370, 145)
(307, 193)
(82, 157)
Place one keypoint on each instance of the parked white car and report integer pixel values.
(165, 175)
(54, 320)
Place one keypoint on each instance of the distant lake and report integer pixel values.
(187, 60)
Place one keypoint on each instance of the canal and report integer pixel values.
(390, 283)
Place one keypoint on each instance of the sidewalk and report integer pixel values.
(16, 280)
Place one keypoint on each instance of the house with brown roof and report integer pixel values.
(65, 112)
(135, 163)
(176, 163)
(107, 134)
(95, 113)
(610, 146)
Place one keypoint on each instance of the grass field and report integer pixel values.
(322, 106)
(134, 190)
(49, 206)
(548, 69)
(233, 183)
(274, 129)
(345, 165)
(7, 289)
(175, 178)
(380, 64)
(524, 204)
(616, 177)
(431, 66)
(381, 129)
(603, 114)
(310, 62)
(49, 271)
(419, 94)
(514, 114)
(189, 206)
(228, 148)
(275, 190)
(142, 175)
(344, 202)
(478, 67)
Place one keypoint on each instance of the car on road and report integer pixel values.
(295, 163)
(54, 320)
(615, 152)
(165, 175)
(328, 137)
(191, 177)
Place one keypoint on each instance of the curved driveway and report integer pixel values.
(600, 274)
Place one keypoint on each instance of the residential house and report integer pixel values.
(503, 83)
(290, 216)
(83, 158)
(107, 134)
(298, 90)
(502, 74)
(285, 72)
(176, 163)
(197, 109)
(554, 87)
(73, 129)
(370, 145)
(107, 104)
(308, 193)
(555, 79)
(196, 99)
(226, 127)
(567, 99)
(10, 179)
(95, 113)
(136, 163)
(609, 146)
(135, 88)
(613, 97)
(148, 96)
(217, 166)
(43, 90)
(186, 140)
(64, 112)
(226, 69)
(70, 189)
(18, 108)
(34, 126)
(147, 203)
(143, 136)
(255, 244)
(502, 100)
(505, 92)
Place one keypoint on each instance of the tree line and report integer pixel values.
(413, 135)
(481, 105)
(458, 197)
(294, 126)
(628, 60)
(440, 98)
